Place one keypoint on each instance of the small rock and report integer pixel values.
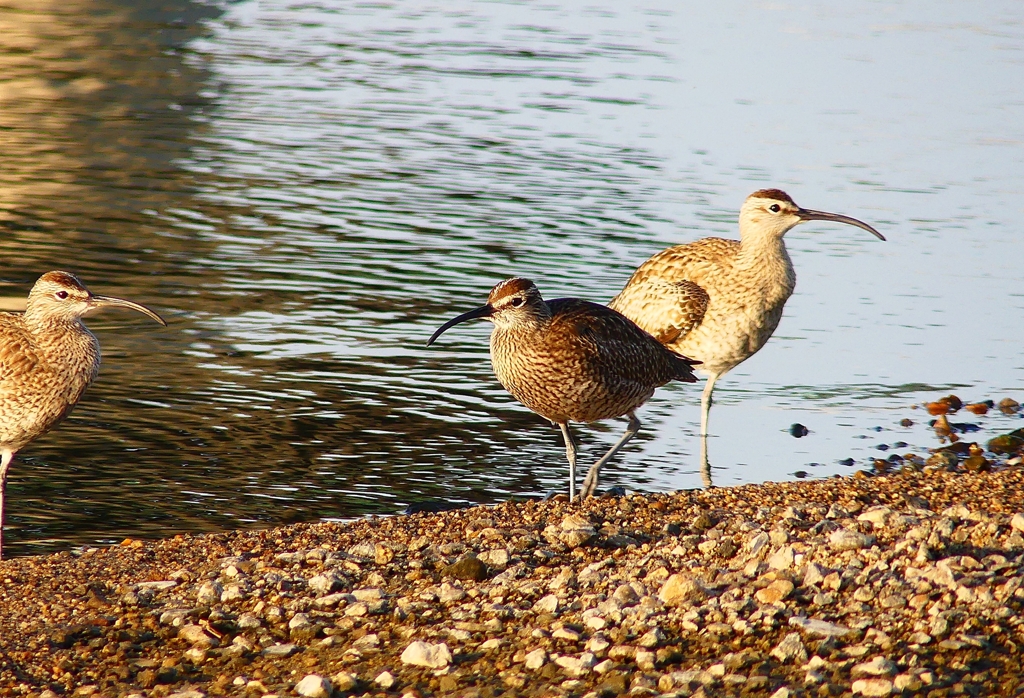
(209, 593)
(576, 531)
(872, 687)
(577, 666)
(817, 626)
(1017, 522)
(566, 634)
(331, 600)
(324, 584)
(368, 594)
(877, 516)
(879, 666)
(547, 604)
(626, 595)
(783, 692)
(848, 539)
(496, 559)
(451, 594)
(813, 575)
(299, 620)
(783, 559)
(943, 460)
(775, 592)
(468, 567)
(247, 621)
(385, 680)
(536, 659)
(421, 653)
(280, 650)
(344, 681)
(314, 686)
(652, 638)
(791, 649)
(681, 589)
(907, 683)
(196, 636)
(757, 543)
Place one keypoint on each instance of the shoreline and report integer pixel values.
(905, 583)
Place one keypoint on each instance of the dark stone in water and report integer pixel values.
(960, 448)
(433, 507)
(882, 447)
(906, 422)
(977, 464)
(799, 430)
(801, 474)
(847, 461)
(1005, 444)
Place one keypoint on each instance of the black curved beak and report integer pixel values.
(482, 311)
(111, 302)
(809, 215)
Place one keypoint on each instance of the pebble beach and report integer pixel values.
(899, 584)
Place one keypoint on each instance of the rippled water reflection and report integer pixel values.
(306, 190)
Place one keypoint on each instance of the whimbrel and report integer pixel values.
(570, 360)
(720, 300)
(47, 359)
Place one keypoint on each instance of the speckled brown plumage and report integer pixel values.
(718, 300)
(570, 360)
(47, 359)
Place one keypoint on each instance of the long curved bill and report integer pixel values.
(482, 311)
(809, 215)
(110, 301)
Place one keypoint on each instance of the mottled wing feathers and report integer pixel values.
(17, 355)
(666, 310)
(666, 296)
(613, 346)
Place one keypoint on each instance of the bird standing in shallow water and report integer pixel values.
(47, 359)
(720, 300)
(570, 360)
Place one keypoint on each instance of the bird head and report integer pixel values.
(771, 213)
(60, 297)
(511, 303)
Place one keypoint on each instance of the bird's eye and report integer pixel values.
(61, 294)
(774, 208)
(516, 302)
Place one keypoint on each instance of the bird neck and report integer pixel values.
(47, 327)
(766, 256)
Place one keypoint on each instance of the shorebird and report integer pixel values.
(47, 359)
(720, 300)
(570, 360)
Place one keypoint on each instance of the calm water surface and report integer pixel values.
(307, 189)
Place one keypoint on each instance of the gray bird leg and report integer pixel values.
(705, 411)
(705, 404)
(590, 482)
(5, 463)
(570, 455)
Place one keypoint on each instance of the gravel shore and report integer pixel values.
(900, 584)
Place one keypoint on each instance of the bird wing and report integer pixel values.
(666, 295)
(18, 357)
(614, 346)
